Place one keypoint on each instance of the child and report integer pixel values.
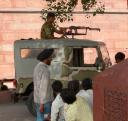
(57, 105)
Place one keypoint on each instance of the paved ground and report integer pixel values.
(15, 112)
(10, 111)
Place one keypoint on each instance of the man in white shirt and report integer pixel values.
(42, 84)
(57, 113)
(87, 92)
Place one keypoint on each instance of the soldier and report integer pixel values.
(48, 29)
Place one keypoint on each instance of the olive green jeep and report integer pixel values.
(74, 59)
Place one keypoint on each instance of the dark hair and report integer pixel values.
(119, 56)
(57, 86)
(87, 84)
(74, 86)
(50, 14)
(46, 53)
(68, 96)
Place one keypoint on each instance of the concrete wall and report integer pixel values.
(23, 24)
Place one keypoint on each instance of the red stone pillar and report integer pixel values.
(111, 94)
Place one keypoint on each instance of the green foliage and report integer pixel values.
(64, 8)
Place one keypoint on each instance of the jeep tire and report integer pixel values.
(31, 104)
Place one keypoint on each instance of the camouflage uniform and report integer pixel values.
(47, 31)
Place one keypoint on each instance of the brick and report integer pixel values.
(6, 47)
(5, 3)
(16, 26)
(116, 4)
(110, 44)
(123, 26)
(25, 26)
(7, 36)
(120, 44)
(7, 17)
(11, 37)
(27, 17)
(7, 71)
(6, 57)
(26, 35)
(9, 59)
(121, 4)
(28, 3)
(10, 26)
(6, 52)
(1, 58)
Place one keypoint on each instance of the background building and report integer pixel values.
(22, 19)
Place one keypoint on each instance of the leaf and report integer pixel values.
(65, 8)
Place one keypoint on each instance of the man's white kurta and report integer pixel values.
(42, 84)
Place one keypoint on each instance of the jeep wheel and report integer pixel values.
(31, 104)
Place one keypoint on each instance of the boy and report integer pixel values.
(57, 105)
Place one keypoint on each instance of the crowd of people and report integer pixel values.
(69, 104)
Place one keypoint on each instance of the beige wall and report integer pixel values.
(114, 28)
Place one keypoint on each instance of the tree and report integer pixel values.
(64, 8)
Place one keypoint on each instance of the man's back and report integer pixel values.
(47, 31)
(88, 96)
(78, 111)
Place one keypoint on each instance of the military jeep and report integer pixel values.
(74, 59)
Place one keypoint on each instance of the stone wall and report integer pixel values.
(23, 24)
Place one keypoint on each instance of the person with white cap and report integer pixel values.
(42, 84)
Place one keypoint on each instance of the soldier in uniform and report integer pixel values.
(48, 29)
